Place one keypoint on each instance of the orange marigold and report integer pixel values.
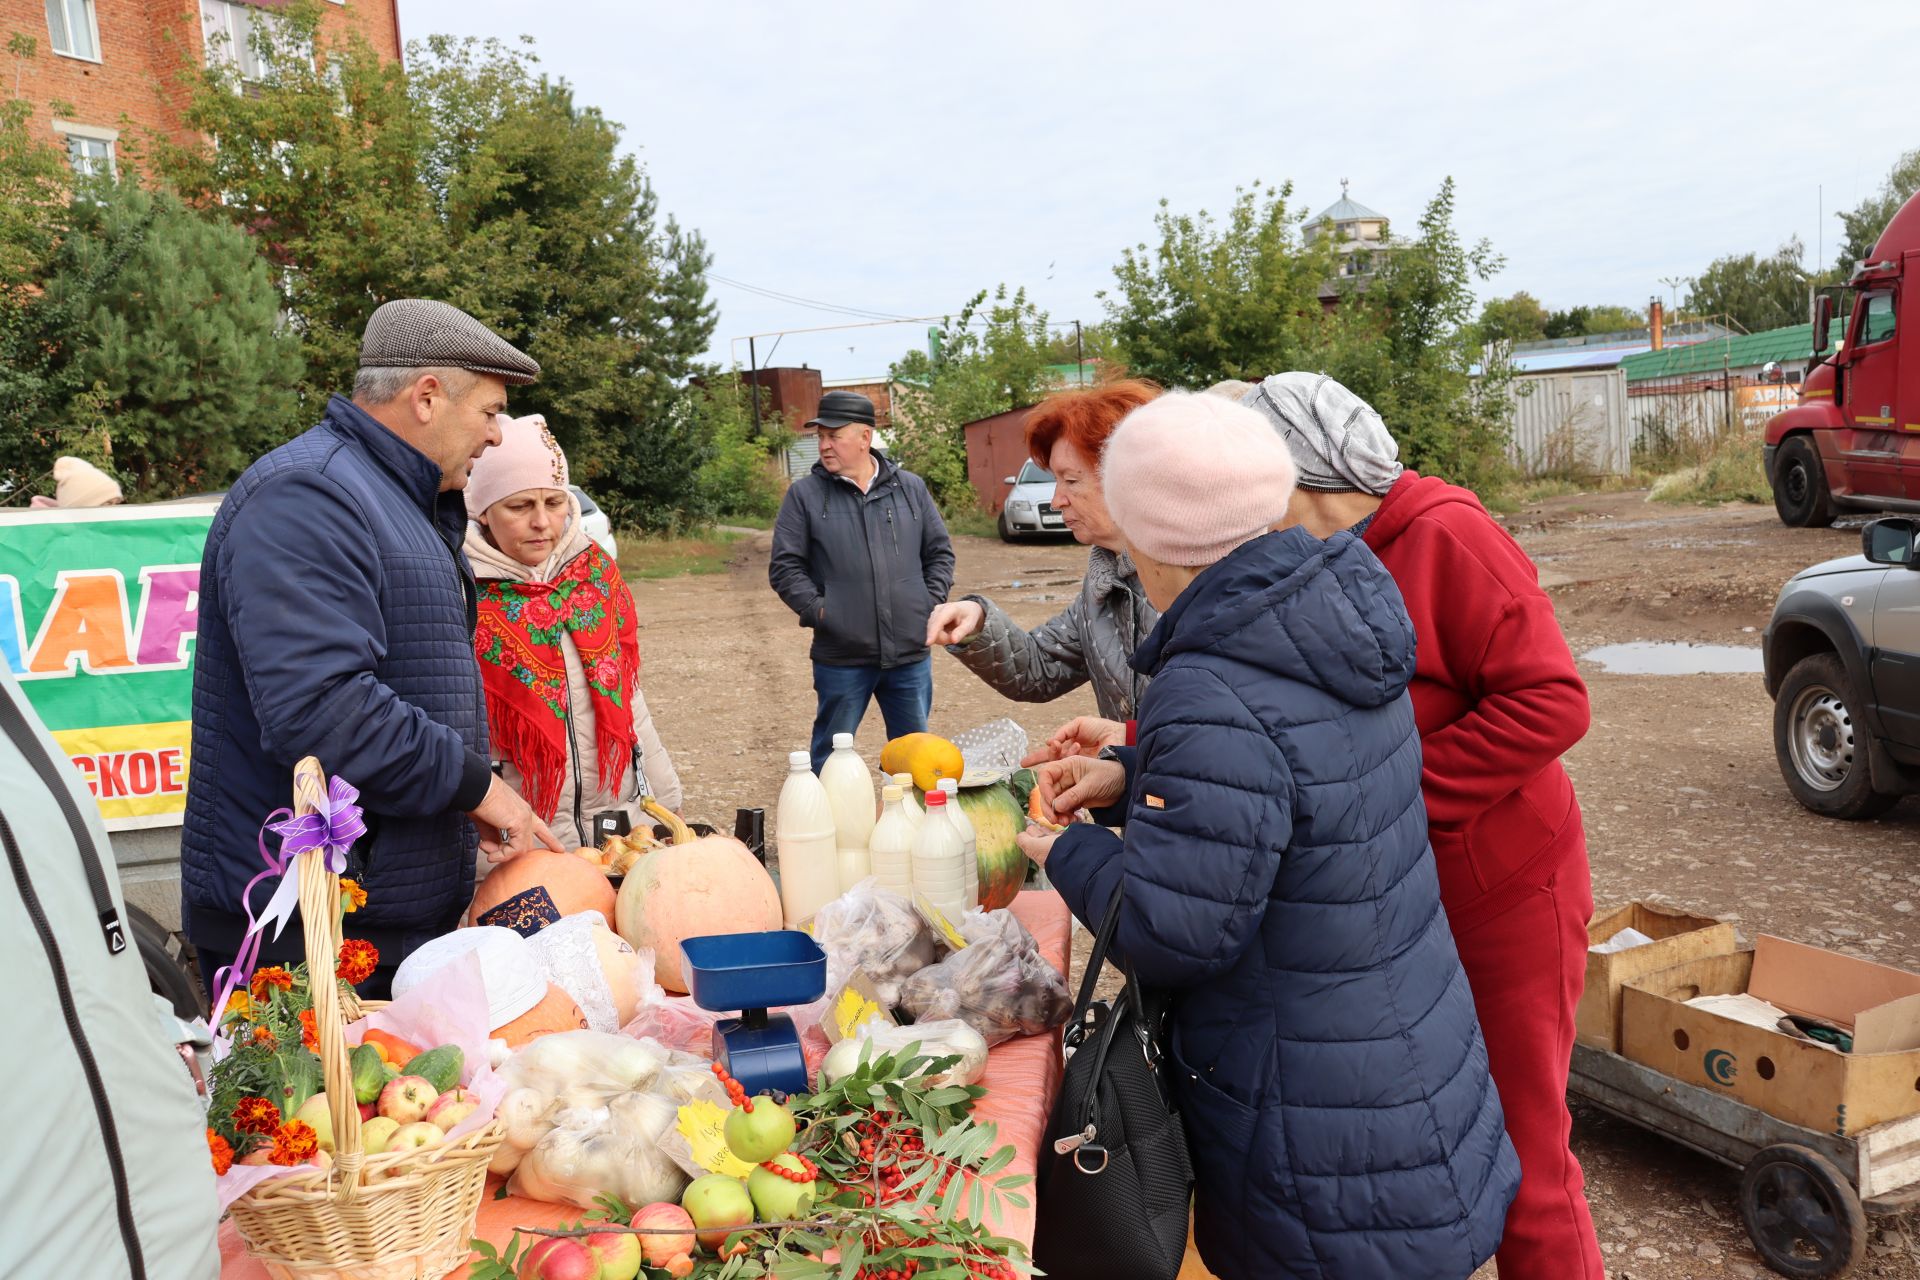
(263, 1036)
(239, 1005)
(294, 1144)
(222, 1153)
(256, 1115)
(358, 959)
(309, 1030)
(352, 896)
(271, 976)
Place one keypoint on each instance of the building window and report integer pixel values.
(71, 27)
(89, 148)
(231, 29)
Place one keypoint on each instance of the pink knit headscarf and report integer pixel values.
(527, 457)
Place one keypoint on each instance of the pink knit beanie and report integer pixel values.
(1190, 477)
(527, 457)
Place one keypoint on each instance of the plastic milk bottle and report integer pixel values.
(850, 791)
(890, 847)
(939, 873)
(804, 840)
(964, 825)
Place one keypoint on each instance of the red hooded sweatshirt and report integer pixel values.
(1495, 693)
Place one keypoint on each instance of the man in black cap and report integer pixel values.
(861, 554)
(336, 620)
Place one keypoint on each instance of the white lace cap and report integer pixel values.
(516, 979)
(572, 960)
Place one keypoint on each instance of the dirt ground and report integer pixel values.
(1683, 801)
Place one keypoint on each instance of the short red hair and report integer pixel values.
(1084, 418)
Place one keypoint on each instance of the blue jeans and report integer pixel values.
(905, 695)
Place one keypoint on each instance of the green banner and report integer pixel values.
(98, 614)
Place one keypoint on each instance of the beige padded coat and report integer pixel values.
(581, 794)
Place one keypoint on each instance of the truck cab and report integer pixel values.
(1853, 441)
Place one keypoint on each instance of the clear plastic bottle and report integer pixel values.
(910, 799)
(939, 871)
(964, 825)
(849, 787)
(805, 844)
(890, 847)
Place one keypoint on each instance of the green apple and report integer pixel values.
(376, 1133)
(314, 1112)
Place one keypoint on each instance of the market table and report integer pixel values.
(1021, 1080)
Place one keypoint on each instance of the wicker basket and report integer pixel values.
(394, 1216)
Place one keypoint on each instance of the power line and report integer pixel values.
(815, 304)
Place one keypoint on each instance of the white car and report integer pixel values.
(594, 523)
(1029, 505)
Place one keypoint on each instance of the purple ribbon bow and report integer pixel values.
(328, 831)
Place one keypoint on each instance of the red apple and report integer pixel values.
(671, 1254)
(368, 1111)
(407, 1098)
(451, 1107)
(618, 1254)
(719, 1205)
(559, 1258)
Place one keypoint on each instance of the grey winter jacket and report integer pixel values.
(862, 569)
(1091, 640)
(106, 1171)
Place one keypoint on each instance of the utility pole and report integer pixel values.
(1079, 356)
(753, 385)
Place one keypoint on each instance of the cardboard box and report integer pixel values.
(1677, 938)
(1800, 1081)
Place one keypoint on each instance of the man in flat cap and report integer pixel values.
(861, 554)
(336, 620)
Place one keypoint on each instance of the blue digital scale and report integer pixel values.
(756, 973)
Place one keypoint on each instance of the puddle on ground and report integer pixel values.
(1675, 658)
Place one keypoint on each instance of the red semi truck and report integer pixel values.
(1853, 441)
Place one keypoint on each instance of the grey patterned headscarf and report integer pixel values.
(1338, 442)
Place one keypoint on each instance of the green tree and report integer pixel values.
(1756, 293)
(740, 476)
(1869, 218)
(471, 178)
(1237, 298)
(991, 358)
(174, 322)
(1519, 318)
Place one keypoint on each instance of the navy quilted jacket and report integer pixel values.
(1329, 1065)
(336, 615)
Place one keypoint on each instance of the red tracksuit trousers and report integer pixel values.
(1526, 959)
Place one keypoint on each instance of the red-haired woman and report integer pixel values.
(1096, 635)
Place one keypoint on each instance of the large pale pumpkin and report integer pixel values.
(706, 886)
(555, 1012)
(532, 891)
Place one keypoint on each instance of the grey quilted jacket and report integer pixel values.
(1092, 640)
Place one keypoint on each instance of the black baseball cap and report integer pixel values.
(843, 409)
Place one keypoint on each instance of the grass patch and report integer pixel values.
(748, 522)
(644, 556)
(972, 522)
(1731, 470)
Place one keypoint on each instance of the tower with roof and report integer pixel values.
(1354, 228)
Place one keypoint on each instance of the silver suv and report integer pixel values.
(1843, 665)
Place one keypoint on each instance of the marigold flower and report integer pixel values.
(239, 1005)
(294, 1144)
(263, 1036)
(271, 976)
(256, 1115)
(309, 1030)
(352, 896)
(358, 959)
(222, 1153)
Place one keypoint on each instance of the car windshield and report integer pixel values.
(1032, 472)
(586, 504)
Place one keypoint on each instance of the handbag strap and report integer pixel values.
(1097, 959)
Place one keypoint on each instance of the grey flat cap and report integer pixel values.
(417, 333)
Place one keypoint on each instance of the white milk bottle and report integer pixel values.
(964, 825)
(939, 875)
(890, 847)
(909, 801)
(804, 842)
(850, 790)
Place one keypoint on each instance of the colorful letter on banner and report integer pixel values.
(98, 613)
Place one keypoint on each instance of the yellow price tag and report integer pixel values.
(852, 1009)
(938, 919)
(704, 1127)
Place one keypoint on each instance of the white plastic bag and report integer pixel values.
(936, 1040)
(1000, 985)
(612, 1150)
(876, 932)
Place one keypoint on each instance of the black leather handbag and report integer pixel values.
(1115, 1183)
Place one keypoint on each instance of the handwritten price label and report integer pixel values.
(704, 1127)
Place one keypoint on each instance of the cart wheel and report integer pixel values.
(1801, 1212)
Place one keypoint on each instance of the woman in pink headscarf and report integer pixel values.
(558, 643)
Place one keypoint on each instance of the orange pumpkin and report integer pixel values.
(555, 1012)
(532, 891)
(704, 886)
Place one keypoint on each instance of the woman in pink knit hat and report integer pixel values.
(1275, 882)
(558, 643)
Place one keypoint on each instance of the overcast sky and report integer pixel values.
(898, 157)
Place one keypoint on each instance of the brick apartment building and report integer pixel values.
(118, 63)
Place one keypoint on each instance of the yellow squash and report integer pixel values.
(927, 756)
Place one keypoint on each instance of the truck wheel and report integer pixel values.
(166, 971)
(1801, 1212)
(1821, 743)
(1800, 486)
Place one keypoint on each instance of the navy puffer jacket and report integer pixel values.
(336, 620)
(1329, 1065)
